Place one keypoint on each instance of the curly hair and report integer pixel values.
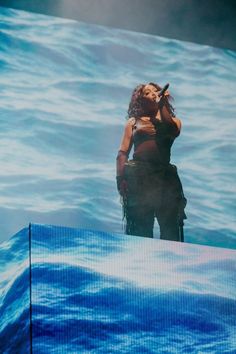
(135, 106)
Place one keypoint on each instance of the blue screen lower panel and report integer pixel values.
(15, 333)
(96, 292)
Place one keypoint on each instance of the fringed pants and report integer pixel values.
(154, 193)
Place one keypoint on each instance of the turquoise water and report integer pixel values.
(65, 89)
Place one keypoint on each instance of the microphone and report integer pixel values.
(161, 93)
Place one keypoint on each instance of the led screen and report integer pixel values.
(65, 90)
(67, 290)
(15, 295)
(97, 292)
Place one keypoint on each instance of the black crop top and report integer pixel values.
(151, 144)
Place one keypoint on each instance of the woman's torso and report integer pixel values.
(150, 145)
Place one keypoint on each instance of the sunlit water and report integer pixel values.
(64, 92)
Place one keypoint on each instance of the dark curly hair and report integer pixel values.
(135, 106)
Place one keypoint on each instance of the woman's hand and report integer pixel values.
(167, 93)
(162, 98)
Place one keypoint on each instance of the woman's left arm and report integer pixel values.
(172, 124)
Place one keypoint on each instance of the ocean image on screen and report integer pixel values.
(15, 295)
(65, 90)
(97, 292)
(66, 290)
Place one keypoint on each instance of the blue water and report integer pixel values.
(15, 295)
(65, 88)
(97, 292)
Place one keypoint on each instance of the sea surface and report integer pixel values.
(65, 87)
(15, 295)
(97, 292)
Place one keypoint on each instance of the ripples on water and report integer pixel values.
(15, 295)
(97, 292)
(65, 88)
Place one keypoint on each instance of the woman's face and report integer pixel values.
(150, 98)
(150, 92)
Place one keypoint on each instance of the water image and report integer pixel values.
(66, 290)
(15, 295)
(65, 89)
(97, 292)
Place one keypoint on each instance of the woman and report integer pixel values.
(149, 184)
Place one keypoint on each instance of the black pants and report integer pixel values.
(154, 193)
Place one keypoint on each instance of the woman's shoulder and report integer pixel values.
(131, 122)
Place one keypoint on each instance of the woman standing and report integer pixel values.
(149, 184)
